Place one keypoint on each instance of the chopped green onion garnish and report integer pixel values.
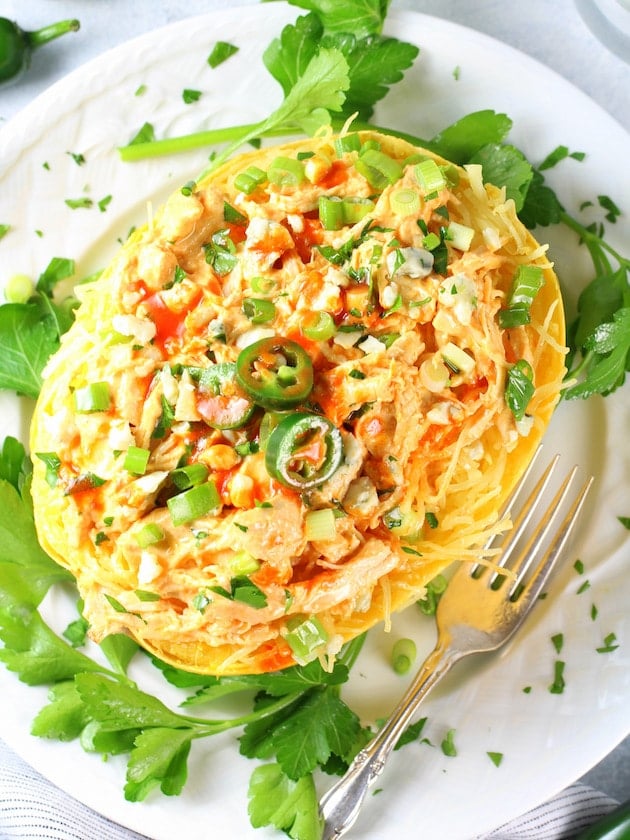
(429, 176)
(136, 460)
(320, 525)
(378, 168)
(448, 744)
(259, 310)
(526, 283)
(460, 236)
(318, 326)
(404, 202)
(457, 359)
(194, 503)
(331, 212)
(248, 180)
(404, 653)
(347, 143)
(93, 397)
(286, 172)
(356, 208)
(243, 563)
(149, 534)
(305, 637)
(18, 288)
(263, 285)
(189, 476)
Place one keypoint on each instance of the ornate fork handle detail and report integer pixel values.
(480, 610)
(341, 804)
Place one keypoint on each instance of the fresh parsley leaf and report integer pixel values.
(411, 733)
(625, 521)
(505, 166)
(122, 706)
(464, 138)
(65, 717)
(221, 51)
(34, 651)
(119, 650)
(362, 17)
(375, 64)
(322, 725)
(159, 757)
(288, 805)
(145, 134)
(26, 343)
(495, 757)
(288, 56)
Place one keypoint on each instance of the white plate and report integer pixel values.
(547, 740)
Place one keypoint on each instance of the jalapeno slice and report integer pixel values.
(303, 451)
(220, 400)
(275, 372)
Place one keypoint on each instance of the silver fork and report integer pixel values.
(480, 610)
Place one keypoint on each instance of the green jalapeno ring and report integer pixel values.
(275, 373)
(220, 399)
(294, 433)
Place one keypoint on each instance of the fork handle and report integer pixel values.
(341, 804)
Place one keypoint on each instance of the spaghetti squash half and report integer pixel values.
(294, 397)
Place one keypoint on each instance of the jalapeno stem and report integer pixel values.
(49, 33)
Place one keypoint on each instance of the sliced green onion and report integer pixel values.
(259, 310)
(404, 202)
(149, 534)
(429, 176)
(526, 283)
(250, 179)
(347, 143)
(18, 288)
(403, 655)
(331, 212)
(194, 503)
(286, 172)
(457, 359)
(92, 397)
(263, 285)
(243, 563)
(335, 212)
(356, 208)
(460, 236)
(189, 476)
(305, 637)
(378, 168)
(370, 145)
(318, 326)
(320, 525)
(519, 388)
(136, 460)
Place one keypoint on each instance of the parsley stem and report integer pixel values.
(595, 244)
(212, 727)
